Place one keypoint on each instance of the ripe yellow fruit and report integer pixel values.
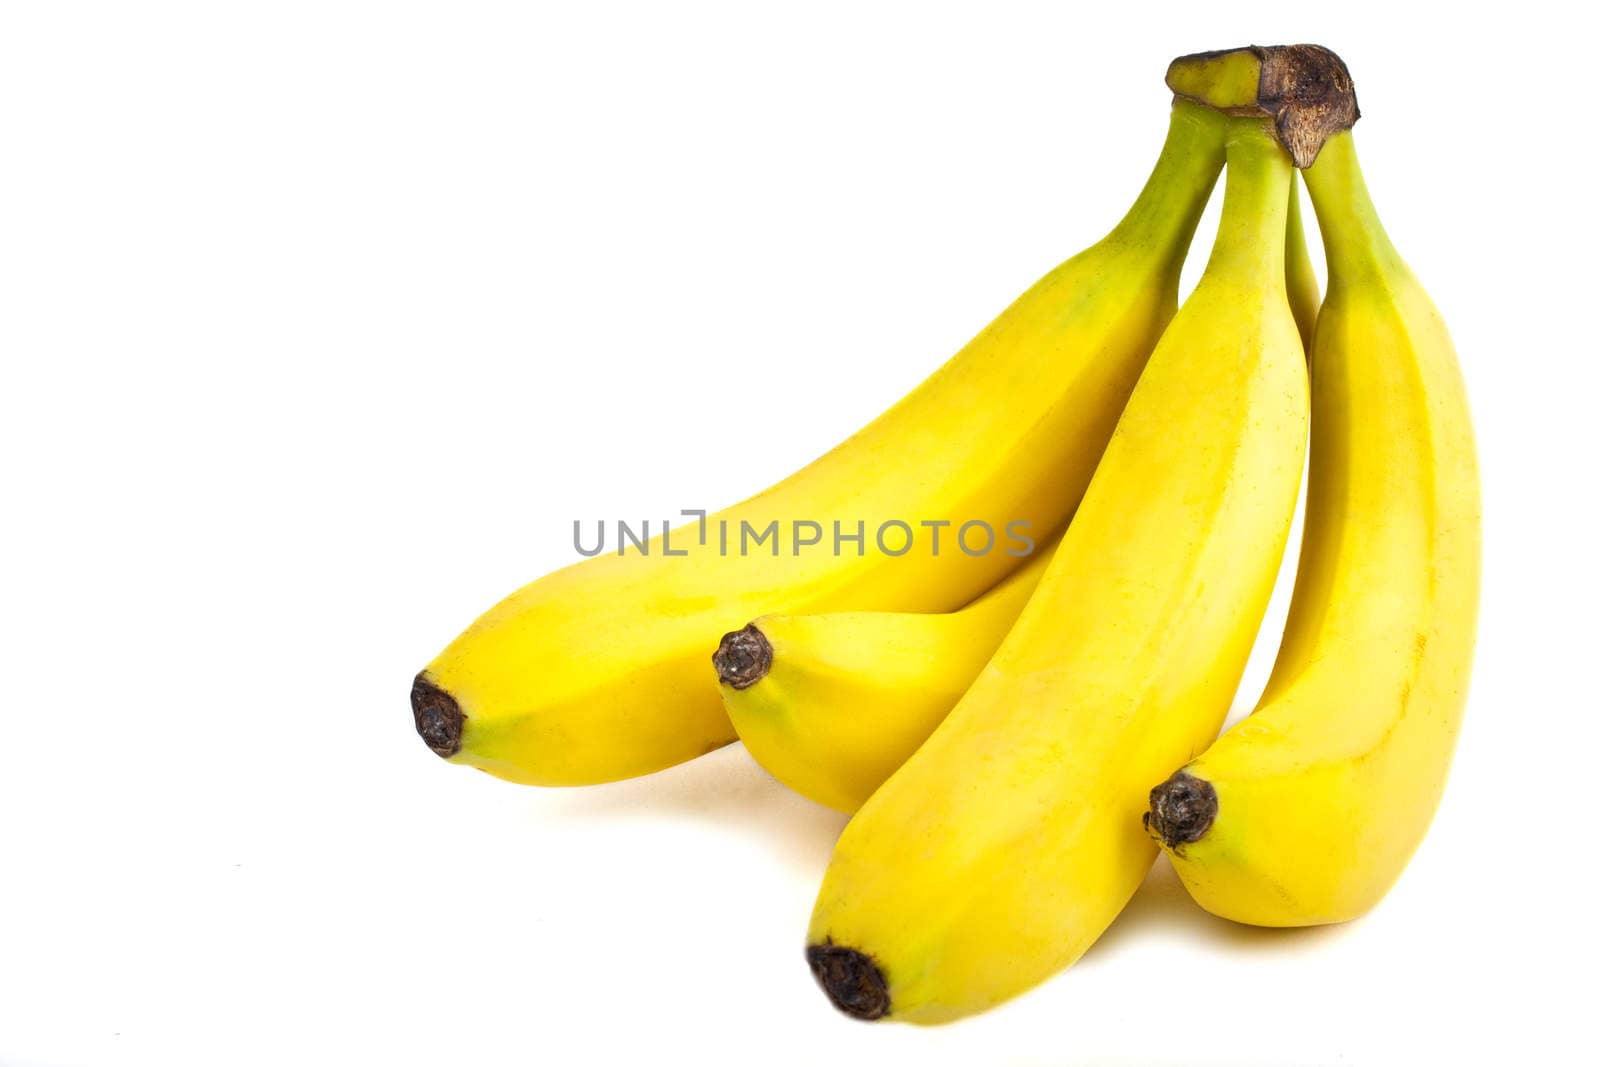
(1308, 811)
(1004, 847)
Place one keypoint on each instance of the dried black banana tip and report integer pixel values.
(851, 980)
(743, 658)
(1182, 809)
(438, 717)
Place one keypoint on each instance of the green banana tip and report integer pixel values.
(1182, 809)
(743, 658)
(437, 716)
(851, 979)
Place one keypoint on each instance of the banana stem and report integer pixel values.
(1356, 243)
(1304, 295)
(1304, 88)
(1176, 192)
(1252, 234)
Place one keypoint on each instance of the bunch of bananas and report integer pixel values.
(1018, 734)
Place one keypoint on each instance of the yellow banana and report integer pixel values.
(1308, 810)
(597, 672)
(1009, 841)
(832, 704)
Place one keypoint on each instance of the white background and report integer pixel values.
(322, 321)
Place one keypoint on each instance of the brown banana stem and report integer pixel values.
(1304, 88)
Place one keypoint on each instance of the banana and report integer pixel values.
(1308, 810)
(832, 704)
(1009, 841)
(597, 672)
